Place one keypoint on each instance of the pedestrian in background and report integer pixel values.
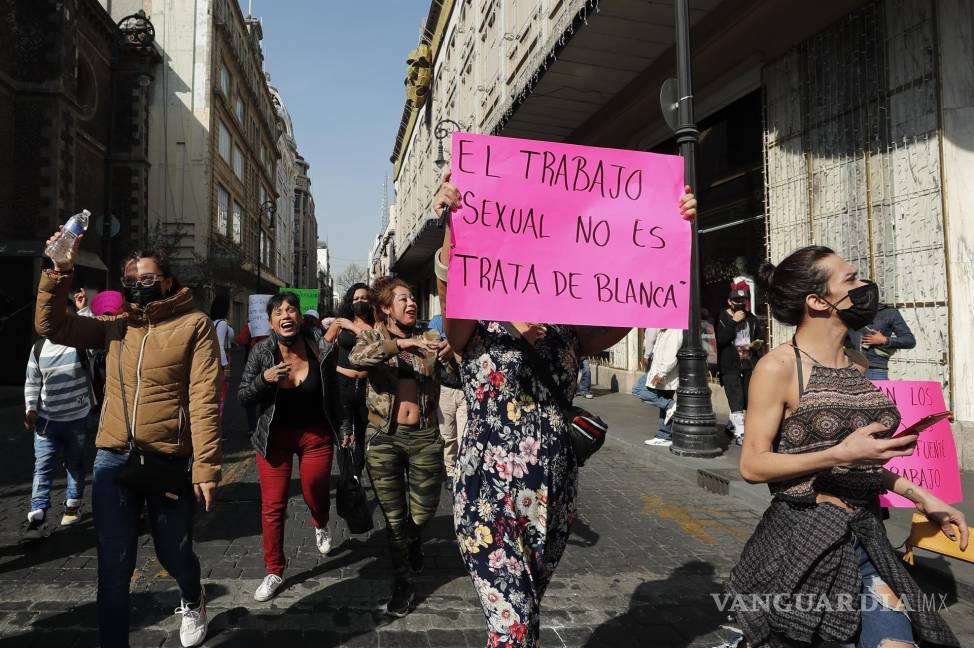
(585, 379)
(248, 341)
(819, 435)
(356, 314)
(451, 414)
(403, 437)
(739, 339)
(517, 474)
(58, 396)
(219, 310)
(639, 389)
(161, 417)
(880, 339)
(290, 377)
(662, 379)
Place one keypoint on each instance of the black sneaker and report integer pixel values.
(403, 594)
(416, 558)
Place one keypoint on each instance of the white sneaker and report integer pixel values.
(656, 441)
(739, 439)
(192, 630)
(589, 395)
(268, 588)
(323, 540)
(35, 519)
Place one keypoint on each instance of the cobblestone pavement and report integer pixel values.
(646, 554)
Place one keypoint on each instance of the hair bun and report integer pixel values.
(765, 275)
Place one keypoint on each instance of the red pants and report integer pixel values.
(314, 449)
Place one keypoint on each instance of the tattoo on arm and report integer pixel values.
(909, 491)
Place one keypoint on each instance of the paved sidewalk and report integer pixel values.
(637, 422)
(648, 551)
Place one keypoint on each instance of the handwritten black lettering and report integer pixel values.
(591, 234)
(629, 291)
(658, 244)
(527, 164)
(460, 155)
(487, 165)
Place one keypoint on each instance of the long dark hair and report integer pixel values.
(791, 281)
(345, 309)
(161, 257)
(219, 308)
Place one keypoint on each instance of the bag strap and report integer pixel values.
(538, 365)
(36, 352)
(125, 404)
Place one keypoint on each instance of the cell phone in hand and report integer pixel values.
(924, 423)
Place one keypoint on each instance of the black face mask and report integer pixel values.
(142, 297)
(286, 340)
(865, 305)
(737, 307)
(361, 309)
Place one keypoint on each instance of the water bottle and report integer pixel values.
(76, 226)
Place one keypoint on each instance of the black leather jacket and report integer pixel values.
(254, 389)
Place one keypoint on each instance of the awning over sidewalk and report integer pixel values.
(604, 49)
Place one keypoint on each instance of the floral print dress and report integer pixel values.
(516, 477)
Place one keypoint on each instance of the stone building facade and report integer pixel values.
(305, 229)
(74, 110)
(844, 123)
(213, 153)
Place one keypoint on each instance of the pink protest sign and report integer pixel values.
(567, 234)
(933, 465)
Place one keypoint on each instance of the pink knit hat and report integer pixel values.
(107, 302)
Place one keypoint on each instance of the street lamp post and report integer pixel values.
(694, 423)
(267, 207)
(440, 132)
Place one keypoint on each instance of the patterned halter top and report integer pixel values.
(833, 404)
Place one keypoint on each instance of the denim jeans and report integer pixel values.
(117, 512)
(49, 437)
(585, 382)
(663, 399)
(641, 391)
(875, 373)
(878, 622)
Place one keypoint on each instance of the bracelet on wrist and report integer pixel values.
(439, 269)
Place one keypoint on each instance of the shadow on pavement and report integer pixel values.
(675, 612)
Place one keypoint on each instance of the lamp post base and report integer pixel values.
(694, 422)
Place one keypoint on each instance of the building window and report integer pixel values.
(239, 109)
(225, 80)
(297, 202)
(222, 210)
(238, 162)
(224, 142)
(237, 217)
(262, 193)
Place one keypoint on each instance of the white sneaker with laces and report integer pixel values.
(192, 630)
(268, 588)
(656, 441)
(323, 540)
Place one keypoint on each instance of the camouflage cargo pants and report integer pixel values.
(406, 471)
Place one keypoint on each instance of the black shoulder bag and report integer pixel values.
(150, 473)
(586, 430)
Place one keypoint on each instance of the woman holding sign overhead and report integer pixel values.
(819, 434)
(516, 475)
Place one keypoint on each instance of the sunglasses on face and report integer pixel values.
(144, 281)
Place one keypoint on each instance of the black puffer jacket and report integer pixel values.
(254, 389)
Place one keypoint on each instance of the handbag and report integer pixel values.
(927, 535)
(350, 500)
(585, 430)
(150, 473)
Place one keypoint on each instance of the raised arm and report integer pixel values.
(458, 331)
(593, 339)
